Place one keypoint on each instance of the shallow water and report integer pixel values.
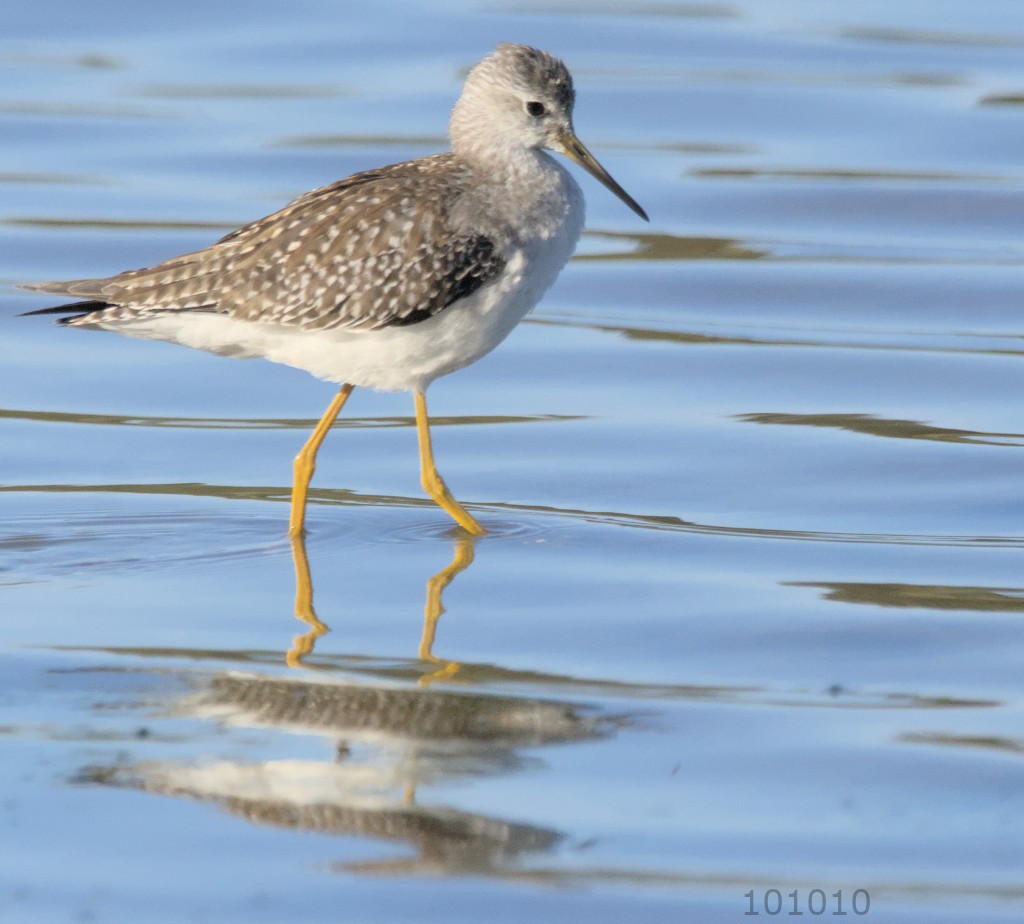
(749, 616)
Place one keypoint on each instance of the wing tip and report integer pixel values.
(72, 312)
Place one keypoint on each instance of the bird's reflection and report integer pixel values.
(390, 741)
(303, 645)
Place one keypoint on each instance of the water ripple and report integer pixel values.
(269, 423)
(872, 425)
(515, 527)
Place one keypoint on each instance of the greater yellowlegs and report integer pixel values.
(392, 277)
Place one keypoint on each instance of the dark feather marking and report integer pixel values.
(477, 265)
(76, 311)
(79, 308)
(71, 312)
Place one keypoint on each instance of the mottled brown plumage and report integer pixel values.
(361, 253)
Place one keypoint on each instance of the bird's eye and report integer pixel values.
(535, 109)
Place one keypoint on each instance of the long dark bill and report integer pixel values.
(577, 152)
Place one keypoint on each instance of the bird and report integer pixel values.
(392, 277)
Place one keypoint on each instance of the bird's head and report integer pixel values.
(519, 96)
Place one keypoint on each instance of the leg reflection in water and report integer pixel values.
(303, 644)
(433, 609)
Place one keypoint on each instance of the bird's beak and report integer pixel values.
(577, 152)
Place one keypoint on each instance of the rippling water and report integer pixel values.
(748, 622)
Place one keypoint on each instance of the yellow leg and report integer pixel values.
(305, 461)
(432, 482)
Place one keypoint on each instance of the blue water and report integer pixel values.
(749, 617)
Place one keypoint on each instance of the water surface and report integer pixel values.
(749, 615)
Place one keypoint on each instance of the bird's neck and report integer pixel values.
(521, 197)
(496, 155)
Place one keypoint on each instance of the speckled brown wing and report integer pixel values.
(374, 250)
